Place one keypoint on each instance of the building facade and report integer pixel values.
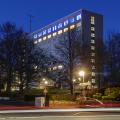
(87, 29)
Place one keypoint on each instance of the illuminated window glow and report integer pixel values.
(72, 20)
(54, 34)
(92, 41)
(66, 29)
(92, 28)
(44, 32)
(35, 36)
(92, 54)
(93, 80)
(60, 32)
(93, 60)
(92, 47)
(40, 34)
(59, 25)
(65, 22)
(78, 24)
(35, 42)
(49, 30)
(72, 26)
(40, 39)
(49, 36)
(92, 20)
(92, 34)
(54, 28)
(44, 38)
(93, 67)
(93, 74)
(78, 17)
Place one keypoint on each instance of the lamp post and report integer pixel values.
(82, 74)
(74, 80)
(45, 91)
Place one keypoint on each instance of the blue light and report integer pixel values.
(35, 36)
(59, 25)
(65, 22)
(72, 20)
(54, 28)
(40, 34)
(49, 30)
(44, 32)
(78, 17)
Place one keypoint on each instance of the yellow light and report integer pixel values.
(72, 26)
(60, 66)
(49, 36)
(60, 32)
(74, 80)
(78, 24)
(44, 38)
(66, 29)
(46, 82)
(35, 42)
(40, 39)
(54, 34)
(54, 68)
(81, 73)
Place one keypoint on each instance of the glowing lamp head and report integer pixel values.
(81, 73)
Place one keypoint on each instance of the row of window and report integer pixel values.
(92, 21)
(58, 26)
(57, 33)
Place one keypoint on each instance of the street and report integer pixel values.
(61, 115)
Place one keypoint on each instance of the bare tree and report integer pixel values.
(69, 48)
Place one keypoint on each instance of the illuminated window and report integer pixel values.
(93, 80)
(93, 74)
(40, 39)
(78, 24)
(92, 54)
(66, 29)
(92, 41)
(92, 28)
(93, 60)
(92, 34)
(72, 20)
(40, 34)
(54, 34)
(93, 67)
(35, 42)
(78, 17)
(44, 38)
(44, 32)
(92, 47)
(35, 36)
(49, 69)
(59, 25)
(54, 68)
(54, 28)
(49, 36)
(92, 20)
(72, 26)
(65, 22)
(49, 30)
(60, 31)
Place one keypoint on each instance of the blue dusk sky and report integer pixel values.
(47, 11)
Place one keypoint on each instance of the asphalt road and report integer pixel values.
(61, 116)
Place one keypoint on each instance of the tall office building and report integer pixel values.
(83, 26)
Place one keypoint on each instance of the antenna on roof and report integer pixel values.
(30, 22)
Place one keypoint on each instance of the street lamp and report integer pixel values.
(82, 74)
(74, 80)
